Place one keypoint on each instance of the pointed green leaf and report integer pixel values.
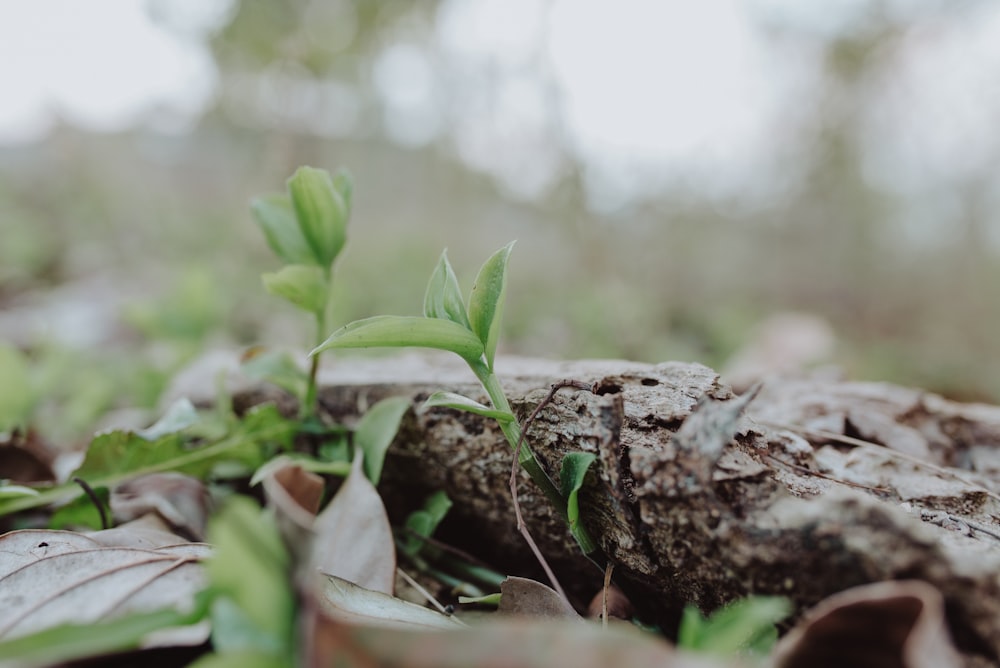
(443, 298)
(400, 331)
(744, 626)
(461, 403)
(248, 549)
(321, 212)
(375, 432)
(425, 521)
(302, 285)
(486, 301)
(276, 217)
(571, 476)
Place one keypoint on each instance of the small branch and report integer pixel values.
(604, 598)
(96, 500)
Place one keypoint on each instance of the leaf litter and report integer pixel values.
(346, 569)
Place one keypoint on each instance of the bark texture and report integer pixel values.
(696, 501)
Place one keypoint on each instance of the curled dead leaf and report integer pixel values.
(353, 536)
(181, 500)
(883, 625)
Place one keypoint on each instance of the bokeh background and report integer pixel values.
(676, 174)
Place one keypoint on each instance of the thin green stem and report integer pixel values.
(526, 457)
(71, 490)
(512, 431)
(308, 407)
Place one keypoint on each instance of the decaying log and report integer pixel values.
(786, 507)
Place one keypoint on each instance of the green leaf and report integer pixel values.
(276, 217)
(15, 394)
(462, 403)
(571, 477)
(251, 569)
(303, 285)
(745, 626)
(116, 456)
(307, 463)
(443, 298)
(375, 432)
(399, 331)
(116, 453)
(489, 599)
(321, 212)
(15, 491)
(487, 299)
(425, 521)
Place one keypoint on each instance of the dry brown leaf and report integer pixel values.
(345, 602)
(510, 643)
(26, 458)
(149, 532)
(182, 501)
(883, 625)
(305, 487)
(619, 605)
(353, 536)
(289, 490)
(55, 577)
(528, 598)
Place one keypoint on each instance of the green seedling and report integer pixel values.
(306, 228)
(470, 330)
(744, 627)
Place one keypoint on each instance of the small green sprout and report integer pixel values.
(471, 331)
(306, 227)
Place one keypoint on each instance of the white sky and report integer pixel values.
(646, 88)
(99, 64)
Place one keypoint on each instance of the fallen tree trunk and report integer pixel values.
(817, 487)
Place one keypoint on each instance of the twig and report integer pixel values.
(807, 471)
(461, 554)
(868, 445)
(521, 527)
(96, 500)
(423, 592)
(604, 598)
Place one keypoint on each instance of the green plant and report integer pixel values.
(306, 227)
(744, 627)
(470, 330)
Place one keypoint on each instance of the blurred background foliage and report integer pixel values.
(674, 172)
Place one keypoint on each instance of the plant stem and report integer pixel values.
(512, 431)
(308, 407)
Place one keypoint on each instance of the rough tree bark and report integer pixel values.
(786, 507)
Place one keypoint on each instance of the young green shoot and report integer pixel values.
(306, 228)
(470, 330)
